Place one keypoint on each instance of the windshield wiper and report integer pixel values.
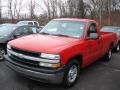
(45, 33)
(61, 35)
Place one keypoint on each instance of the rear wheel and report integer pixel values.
(2, 53)
(71, 73)
(108, 56)
(117, 48)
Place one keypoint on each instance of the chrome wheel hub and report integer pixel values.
(110, 54)
(118, 47)
(72, 74)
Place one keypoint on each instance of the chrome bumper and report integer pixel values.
(54, 77)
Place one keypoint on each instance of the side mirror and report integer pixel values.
(93, 36)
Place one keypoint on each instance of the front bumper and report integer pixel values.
(43, 75)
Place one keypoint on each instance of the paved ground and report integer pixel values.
(99, 76)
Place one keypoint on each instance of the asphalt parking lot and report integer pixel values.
(98, 76)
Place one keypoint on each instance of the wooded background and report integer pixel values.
(106, 12)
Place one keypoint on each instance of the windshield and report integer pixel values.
(108, 29)
(6, 30)
(72, 29)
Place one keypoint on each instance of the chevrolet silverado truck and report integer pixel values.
(58, 53)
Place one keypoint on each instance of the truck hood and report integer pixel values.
(41, 43)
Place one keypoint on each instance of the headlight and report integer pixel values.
(50, 56)
(57, 65)
(8, 46)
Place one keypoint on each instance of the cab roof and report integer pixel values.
(75, 19)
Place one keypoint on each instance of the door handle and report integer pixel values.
(99, 39)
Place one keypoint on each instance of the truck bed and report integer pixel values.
(109, 36)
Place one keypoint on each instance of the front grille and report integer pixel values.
(26, 52)
(31, 63)
(25, 61)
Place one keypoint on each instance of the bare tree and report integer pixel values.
(96, 9)
(41, 8)
(73, 6)
(48, 8)
(32, 6)
(81, 9)
(62, 8)
(0, 11)
(54, 7)
(76, 8)
(10, 9)
(17, 8)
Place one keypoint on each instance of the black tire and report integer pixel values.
(108, 55)
(66, 80)
(2, 53)
(117, 48)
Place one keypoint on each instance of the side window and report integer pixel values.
(92, 29)
(33, 30)
(30, 23)
(22, 31)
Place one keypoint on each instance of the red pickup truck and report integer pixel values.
(60, 50)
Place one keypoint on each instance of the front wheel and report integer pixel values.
(71, 74)
(2, 53)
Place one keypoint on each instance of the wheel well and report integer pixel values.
(78, 58)
(111, 45)
(1, 46)
(119, 42)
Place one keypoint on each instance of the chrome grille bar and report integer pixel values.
(22, 56)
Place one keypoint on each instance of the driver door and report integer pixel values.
(93, 45)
